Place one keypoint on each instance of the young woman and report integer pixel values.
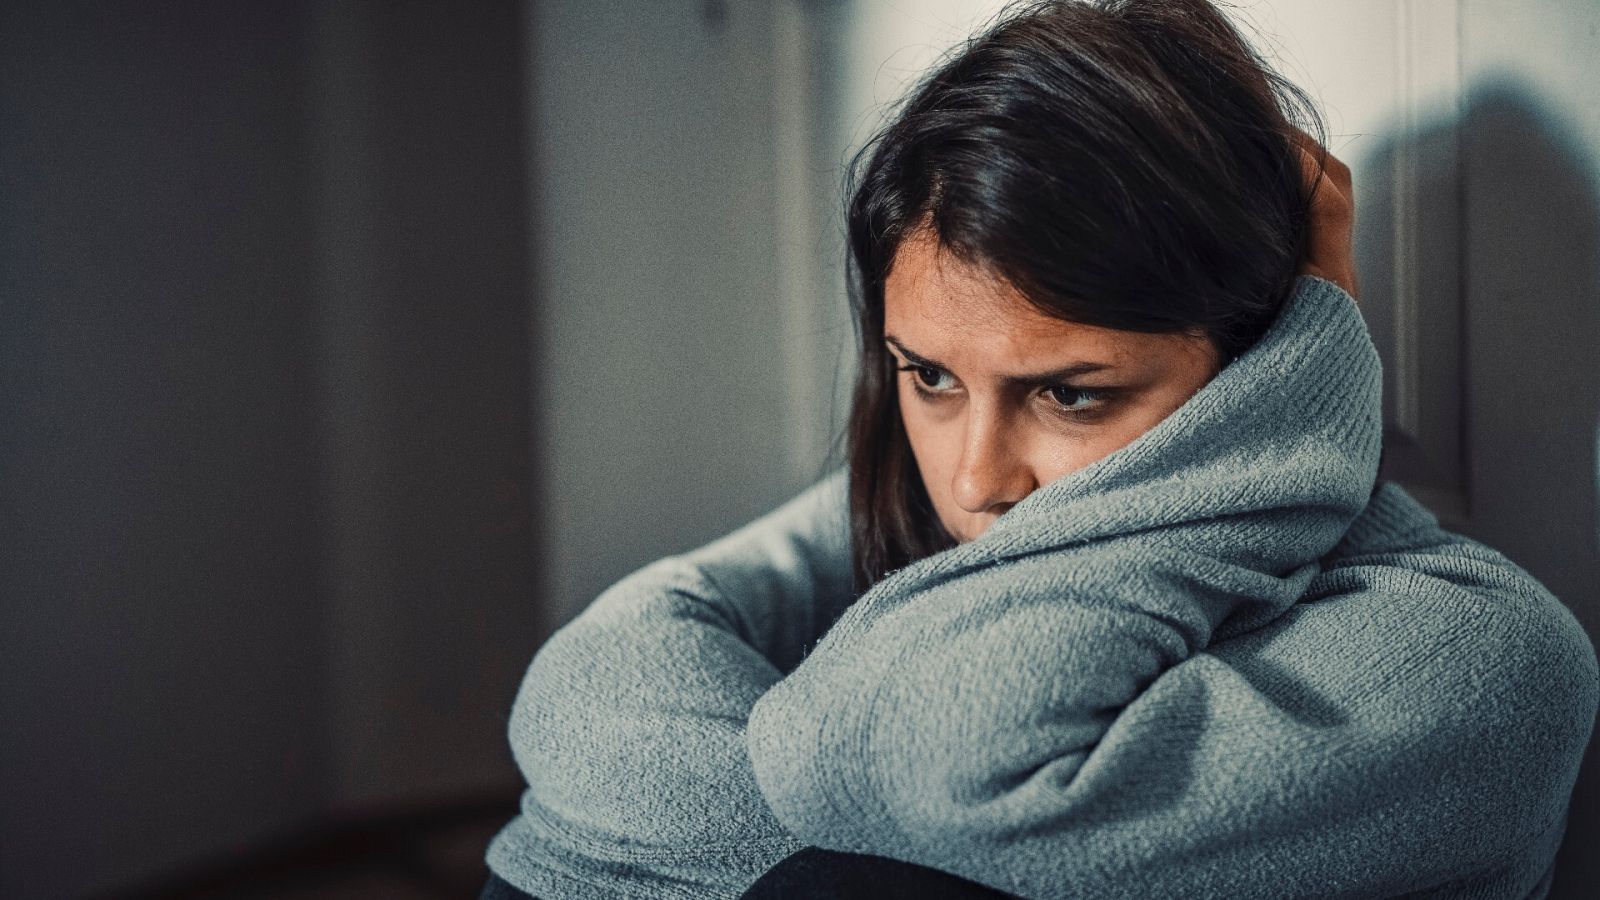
(1107, 600)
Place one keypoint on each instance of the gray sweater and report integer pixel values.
(1216, 662)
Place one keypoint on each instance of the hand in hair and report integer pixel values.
(1330, 248)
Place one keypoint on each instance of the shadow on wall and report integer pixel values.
(1508, 260)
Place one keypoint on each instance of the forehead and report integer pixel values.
(945, 308)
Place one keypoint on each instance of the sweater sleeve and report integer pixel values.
(1413, 724)
(629, 723)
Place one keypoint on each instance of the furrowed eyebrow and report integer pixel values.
(1039, 379)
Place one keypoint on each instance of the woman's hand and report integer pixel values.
(1330, 248)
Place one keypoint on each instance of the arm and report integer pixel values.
(629, 724)
(1415, 723)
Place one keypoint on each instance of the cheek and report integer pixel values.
(922, 432)
(1064, 455)
(935, 443)
(935, 447)
(1057, 455)
(1048, 452)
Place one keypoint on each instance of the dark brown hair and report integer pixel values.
(1130, 164)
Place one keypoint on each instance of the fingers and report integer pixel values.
(1330, 252)
(1318, 165)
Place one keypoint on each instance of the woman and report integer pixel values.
(1108, 600)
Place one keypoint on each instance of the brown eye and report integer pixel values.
(922, 375)
(1077, 402)
(1070, 397)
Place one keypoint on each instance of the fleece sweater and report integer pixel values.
(1220, 661)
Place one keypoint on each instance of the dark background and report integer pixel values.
(267, 547)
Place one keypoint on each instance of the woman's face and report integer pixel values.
(1000, 399)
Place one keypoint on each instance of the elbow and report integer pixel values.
(862, 778)
(786, 744)
(824, 773)
(1526, 687)
(1553, 670)
(543, 720)
(976, 798)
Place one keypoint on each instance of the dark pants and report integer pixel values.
(817, 874)
(499, 889)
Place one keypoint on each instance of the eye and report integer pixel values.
(1076, 402)
(922, 375)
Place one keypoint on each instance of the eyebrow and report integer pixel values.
(1038, 379)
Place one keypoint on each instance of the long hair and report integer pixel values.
(1130, 164)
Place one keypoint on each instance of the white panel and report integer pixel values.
(1428, 81)
(802, 188)
(665, 403)
(891, 44)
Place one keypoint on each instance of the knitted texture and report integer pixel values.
(1215, 662)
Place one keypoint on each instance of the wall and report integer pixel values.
(1530, 139)
(266, 529)
(686, 379)
(160, 587)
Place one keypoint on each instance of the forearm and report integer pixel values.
(630, 722)
(629, 718)
(629, 728)
(924, 729)
(1414, 723)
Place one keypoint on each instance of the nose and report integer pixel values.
(992, 475)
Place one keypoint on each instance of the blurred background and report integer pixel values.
(347, 349)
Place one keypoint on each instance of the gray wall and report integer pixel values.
(266, 535)
(689, 344)
(160, 605)
(1530, 141)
